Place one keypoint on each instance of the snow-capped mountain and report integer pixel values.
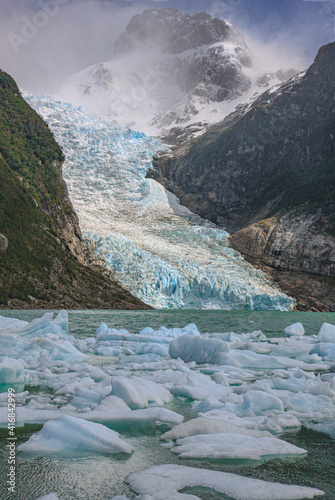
(156, 248)
(171, 70)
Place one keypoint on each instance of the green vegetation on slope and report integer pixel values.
(38, 269)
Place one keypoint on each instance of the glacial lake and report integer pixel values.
(100, 477)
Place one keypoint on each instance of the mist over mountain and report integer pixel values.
(75, 34)
(173, 72)
(267, 174)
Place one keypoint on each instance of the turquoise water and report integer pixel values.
(99, 477)
(272, 323)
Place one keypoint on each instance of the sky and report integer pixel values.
(44, 41)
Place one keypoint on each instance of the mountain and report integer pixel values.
(172, 74)
(158, 250)
(266, 174)
(43, 262)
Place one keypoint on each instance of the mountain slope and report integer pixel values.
(273, 160)
(158, 250)
(170, 71)
(42, 258)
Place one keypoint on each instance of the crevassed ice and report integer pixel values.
(157, 249)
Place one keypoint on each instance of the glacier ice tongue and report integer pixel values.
(157, 249)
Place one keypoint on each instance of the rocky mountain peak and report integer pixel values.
(174, 32)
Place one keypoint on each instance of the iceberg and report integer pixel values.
(234, 447)
(163, 482)
(296, 329)
(71, 433)
(239, 393)
(8, 323)
(327, 333)
(138, 393)
(203, 426)
(215, 351)
(11, 371)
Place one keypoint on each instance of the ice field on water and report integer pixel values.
(157, 249)
(159, 413)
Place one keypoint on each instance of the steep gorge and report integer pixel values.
(42, 258)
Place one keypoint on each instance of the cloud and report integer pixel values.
(43, 42)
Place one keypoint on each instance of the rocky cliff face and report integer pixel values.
(42, 257)
(267, 174)
(170, 70)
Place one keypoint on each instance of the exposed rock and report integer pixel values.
(266, 173)
(174, 31)
(298, 252)
(44, 265)
(169, 68)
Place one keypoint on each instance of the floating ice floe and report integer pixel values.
(9, 323)
(234, 447)
(215, 351)
(295, 330)
(11, 371)
(138, 393)
(327, 333)
(247, 390)
(126, 418)
(202, 425)
(163, 482)
(71, 433)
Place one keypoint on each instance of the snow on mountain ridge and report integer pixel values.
(153, 87)
(156, 248)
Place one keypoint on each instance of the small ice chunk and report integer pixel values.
(71, 433)
(199, 386)
(50, 496)
(62, 320)
(259, 402)
(234, 446)
(209, 426)
(295, 330)
(113, 404)
(147, 331)
(199, 349)
(207, 404)
(163, 482)
(11, 371)
(102, 329)
(327, 333)
(11, 323)
(139, 393)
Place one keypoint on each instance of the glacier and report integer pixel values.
(157, 249)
